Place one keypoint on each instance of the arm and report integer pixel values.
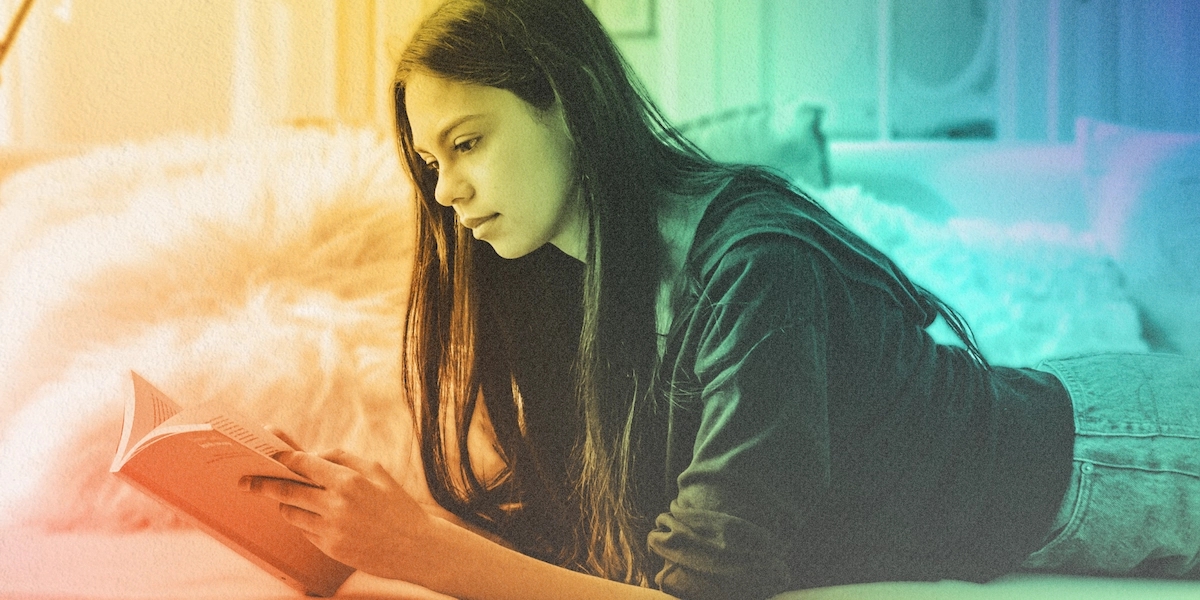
(498, 572)
(759, 459)
(362, 517)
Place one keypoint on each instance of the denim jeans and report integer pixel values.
(1133, 505)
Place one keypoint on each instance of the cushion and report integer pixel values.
(785, 137)
(1030, 291)
(1143, 188)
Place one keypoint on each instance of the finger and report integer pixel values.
(284, 491)
(283, 437)
(355, 462)
(315, 468)
(305, 520)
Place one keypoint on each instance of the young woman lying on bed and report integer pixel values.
(638, 370)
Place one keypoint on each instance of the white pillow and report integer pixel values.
(785, 137)
(1143, 188)
(1029, 291)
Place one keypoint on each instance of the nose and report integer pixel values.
(451, 188)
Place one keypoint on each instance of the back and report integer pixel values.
(819, 432)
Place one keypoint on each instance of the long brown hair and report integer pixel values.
(563, 353)
(548, 53)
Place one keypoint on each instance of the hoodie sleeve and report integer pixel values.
(762, 445)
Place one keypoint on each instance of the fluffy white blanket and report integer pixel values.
(272, 271)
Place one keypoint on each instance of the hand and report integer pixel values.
(283, 437)
(359, 515)
(413, 483)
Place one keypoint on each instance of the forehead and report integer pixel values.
(434, 103)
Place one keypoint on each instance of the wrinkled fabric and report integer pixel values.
(817, 435)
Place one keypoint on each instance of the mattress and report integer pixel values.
(166, 565)
(188, 565)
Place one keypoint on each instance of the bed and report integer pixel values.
(270, 270)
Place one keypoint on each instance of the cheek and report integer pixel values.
(555, 191)
(532, 180)
(560, 171)
(536, 183)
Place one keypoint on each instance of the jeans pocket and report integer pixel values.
(1054, 551)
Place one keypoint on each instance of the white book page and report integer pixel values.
(145, 410)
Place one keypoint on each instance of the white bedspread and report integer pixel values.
(188, 565)
(171, 565)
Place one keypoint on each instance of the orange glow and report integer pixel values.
(104, 71)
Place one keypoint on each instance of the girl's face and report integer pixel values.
(505, 167)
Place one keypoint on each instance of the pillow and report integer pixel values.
(1030, 291)
(269, 271)
(1143, 188)
(786, 137)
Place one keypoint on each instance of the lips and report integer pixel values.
(472, 223)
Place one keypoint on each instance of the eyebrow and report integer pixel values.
(441, 137)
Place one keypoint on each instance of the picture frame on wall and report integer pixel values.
(625, 18)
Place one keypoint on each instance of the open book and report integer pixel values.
(192, 459)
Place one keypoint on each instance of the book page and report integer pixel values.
(146, 409)
(150, 415)
(216, 416)
(240, 429)
(256, 438)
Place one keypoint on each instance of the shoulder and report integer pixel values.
(761, 221)
(754, 216)
(745, 201)
(752, 198)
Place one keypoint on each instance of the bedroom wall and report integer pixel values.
(103, 71)
(94, 71)
(710, 55)
(890, 68)
(1138, 62)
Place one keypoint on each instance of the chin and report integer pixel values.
(510, 251)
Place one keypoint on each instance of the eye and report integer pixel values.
(431, 166)
(466, 145)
